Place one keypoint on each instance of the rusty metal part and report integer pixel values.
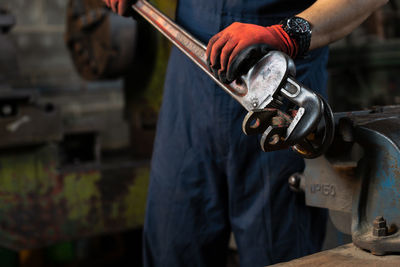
(344, 256)
(273, 123)
(380, 227)
(57, 180)
(63, 176)
(369, 188)
(252, 122)
(44, 202)
(23, 121)
(379, 171)
(102, 45)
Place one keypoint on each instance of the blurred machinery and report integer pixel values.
(8, 60)
(65, 174)
(364, 66)
(104, 46)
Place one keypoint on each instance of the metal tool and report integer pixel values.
(360, 180)
(263, 92)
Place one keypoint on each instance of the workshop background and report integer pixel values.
(80, 89)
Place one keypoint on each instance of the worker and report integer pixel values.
(207, 178)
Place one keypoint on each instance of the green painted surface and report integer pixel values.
(40, 205)
(22, 173)
(135, 200)
(83, 197)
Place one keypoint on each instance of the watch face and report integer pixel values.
(300, 30)
(299, 25)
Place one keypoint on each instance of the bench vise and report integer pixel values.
(360, 183)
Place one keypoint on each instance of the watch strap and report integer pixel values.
(300, 30)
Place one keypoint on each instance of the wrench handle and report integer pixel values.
(189, 45)
(195, 50)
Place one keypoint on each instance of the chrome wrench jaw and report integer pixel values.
(310, 108)
(290, 131)
(262, 82)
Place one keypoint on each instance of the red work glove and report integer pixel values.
(122, 7)
(233, 51)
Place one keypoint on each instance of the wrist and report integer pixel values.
(300, 31)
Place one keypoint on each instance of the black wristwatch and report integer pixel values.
(300, 30)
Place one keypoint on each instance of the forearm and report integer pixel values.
(333, 20)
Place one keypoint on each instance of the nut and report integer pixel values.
(380, 227)
(379, 222)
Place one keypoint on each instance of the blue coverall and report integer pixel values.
(207, 177)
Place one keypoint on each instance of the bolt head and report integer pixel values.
(380, 227)
(293, 180)
(380, 222)
(294, 183)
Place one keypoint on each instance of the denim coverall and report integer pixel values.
(207, 177)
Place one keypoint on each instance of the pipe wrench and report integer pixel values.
(266, 92)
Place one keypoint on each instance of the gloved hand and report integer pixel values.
(122, 7)
(233, 51)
